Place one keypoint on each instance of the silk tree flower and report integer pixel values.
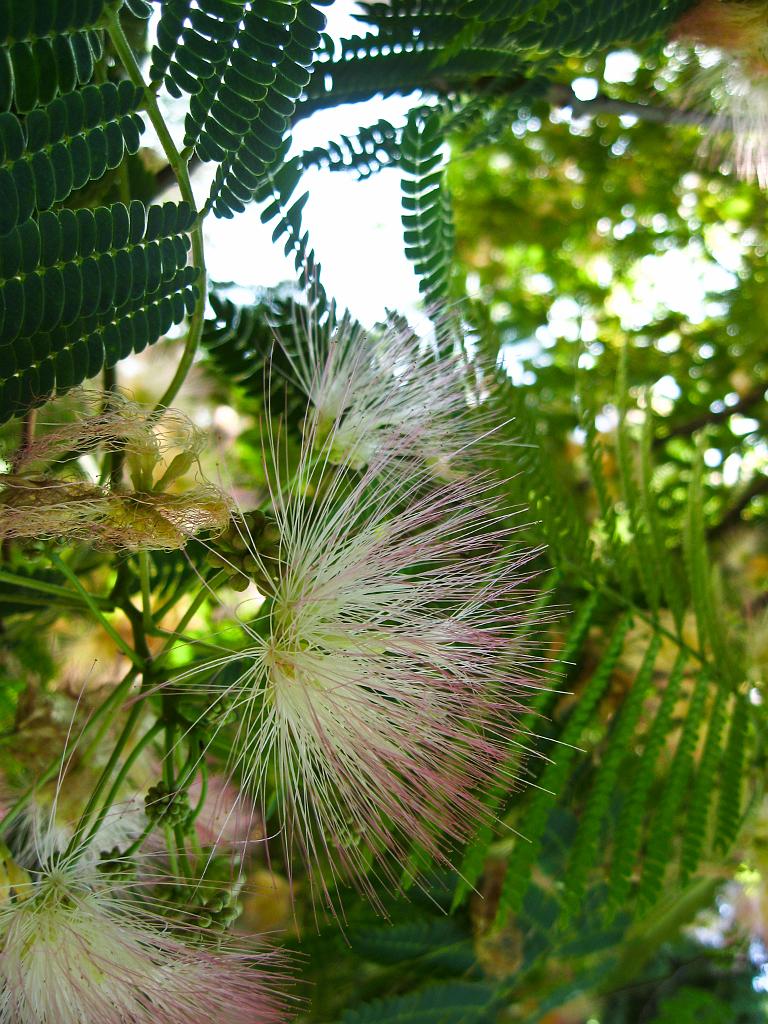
(738, 31)
(74, 947)
(367, 389)
(383, 698)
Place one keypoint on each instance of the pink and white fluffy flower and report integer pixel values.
(383, 697)
(75, 949)
(368, 389)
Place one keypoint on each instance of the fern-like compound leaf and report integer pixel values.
(81, 289)
(427, 224)
(476, 852)
(244, 65)
(554, 777)
(434, 941)
(454, 1002)
(241, 341)
(45, 49)
(366, 152)
(583, 26)
(57, 148)
(402, 68)
(505, 10)
(193, 42)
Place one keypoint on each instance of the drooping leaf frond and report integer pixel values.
(632, 815)
(554, 776)
(45, 49)
(83, 289)
(427, 225)
(586, 849)
(59, 147)
(656, 859)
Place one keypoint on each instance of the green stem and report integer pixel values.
(600, 586)
(197, 846)
(191, 641)
(174, 838)
(146, 597)
(190, 767)
(137, 844)
(108, 709)
(186, 867)
(122, 775)
(661, 925)
(95, 743)
(101, 785)
(181, 170)
(189, 613)
(653, 622)
(203, 790)
(170, 842)
(170, 739)
(41, 602)
(178, 593)
(122, 644)
(51, 588)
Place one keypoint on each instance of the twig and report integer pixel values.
(733, 516)
(564, 96)
(28, 425)
(705, 419)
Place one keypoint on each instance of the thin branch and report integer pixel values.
(564, 96)
(559, 95)
(165, 179)
(708, 418)
(732, 517)
(28, 425)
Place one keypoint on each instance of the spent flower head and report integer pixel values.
(40, 499)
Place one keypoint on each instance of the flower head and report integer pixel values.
(75, 948)
(383, 696)
(738, 29)
(369, 389)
